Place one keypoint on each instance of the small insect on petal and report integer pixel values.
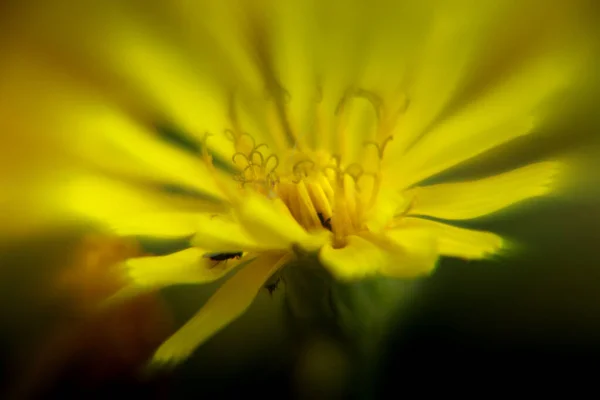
(325, 222)
(223, 256)
(271, 287)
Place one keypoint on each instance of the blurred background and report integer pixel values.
(524, 319)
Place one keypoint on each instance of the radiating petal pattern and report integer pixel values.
(503, 114)
(264, 131)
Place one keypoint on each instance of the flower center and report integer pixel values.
(320, 191)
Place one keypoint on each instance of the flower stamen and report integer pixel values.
(271, 157)
(296, 167)
(259, 155)
(372, 98)
(239, 153)
(380, 147)
(358, 171)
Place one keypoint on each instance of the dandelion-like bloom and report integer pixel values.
(312, 137)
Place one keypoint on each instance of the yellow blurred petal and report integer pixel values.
(122, 138)
(109, 201)
(465, 200)
(385, 207)
(359, 125)
(270, 223)
(183, 267)
(292, 33)
(227, 304)
(225, 235)
(410, 255)
(502, 115)
(459, 242)
(97, 131)
(156, 66)
(440, 70)
(163, 224)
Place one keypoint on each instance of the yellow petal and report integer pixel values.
(158, 69)
(227, 304)
(416, 252)
(450, 42)
(432, 156)
(219, 233)
(503, 114)
(270, 223)
(147, 150)
(110, 201)
(358, 124)
(183, 267)
(102, 134)
(96, 130)
(162, 224)
(459, 242)
(400, 256)
(385, 207)
(465, 200)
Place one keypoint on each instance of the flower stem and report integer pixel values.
(356, 316)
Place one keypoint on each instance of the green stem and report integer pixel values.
(355, 315)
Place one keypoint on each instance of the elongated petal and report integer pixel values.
(417, 251)
(451, 42)
(501, 115)
(402, 256)
(223, 234)
(270, 222)
(465, 200)
(183, 267)
(434, 156)
(227, 304)
(163, 224)
(112, 202)
(459, 242)
(103, 134)
(148, 151)
(96, 130)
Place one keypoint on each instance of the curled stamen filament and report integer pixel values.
(271, 157)
(250, 167)
(239, 153)
(357, 167)
(380, 147)
(246, 134)
(300, 163)
(259, 154)
(372, 98)
(337, 173)
(386, 141)
(259, 146)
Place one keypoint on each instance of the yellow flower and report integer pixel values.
(317, 126)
